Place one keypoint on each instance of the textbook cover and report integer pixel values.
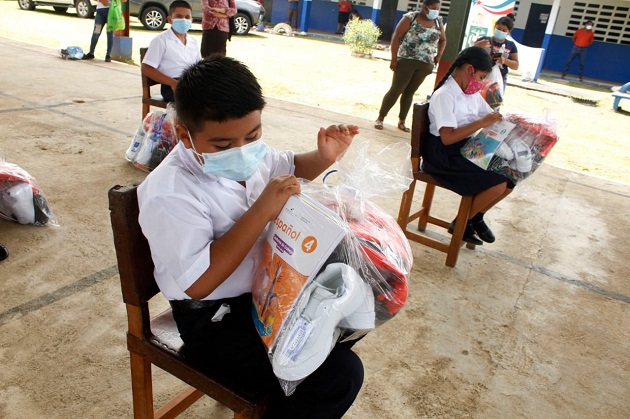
(481, 148)
(297, 244)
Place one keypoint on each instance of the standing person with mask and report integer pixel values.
(503, 51)
(216, 26)
(172, 51)
(456, 112)
(417, 46)
(582, 39)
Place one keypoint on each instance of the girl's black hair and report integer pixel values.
(477, 56)
(216, 89)
(506, 21)
(430, 2)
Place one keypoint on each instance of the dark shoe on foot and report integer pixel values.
(108, 59)
(88, 56)
(469, 234)
(564, 76)
(484, 232)
(4, 253)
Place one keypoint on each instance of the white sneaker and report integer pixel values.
(17, 202)
(522, 156)
(336, 293)
(504, 151)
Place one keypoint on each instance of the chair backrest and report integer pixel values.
(135, 264)
(146, 81)
(419, 132)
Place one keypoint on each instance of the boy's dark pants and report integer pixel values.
(231, 347)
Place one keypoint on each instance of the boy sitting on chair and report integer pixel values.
(204, 211)
(172, 51)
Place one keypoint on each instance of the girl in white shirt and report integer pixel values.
(457, 111)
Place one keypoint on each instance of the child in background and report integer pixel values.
(204, 211)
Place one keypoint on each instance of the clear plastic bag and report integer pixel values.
(486, 143)
(529, 142)
(153, 140)
(492, 90)
(357, 282)
(21, 199)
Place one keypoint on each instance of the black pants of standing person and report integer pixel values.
(232, 348)
(214, 41)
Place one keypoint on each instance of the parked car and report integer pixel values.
(85, 8)
(152, 13)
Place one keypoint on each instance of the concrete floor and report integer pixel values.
(535, 325)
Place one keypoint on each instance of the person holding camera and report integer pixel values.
(502, 50)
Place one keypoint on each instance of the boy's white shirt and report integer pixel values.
(170, 56)
(182, 210)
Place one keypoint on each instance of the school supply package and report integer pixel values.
(514, 147)
(492, 90)
(336, 264)
(153, 140)
(21, 199)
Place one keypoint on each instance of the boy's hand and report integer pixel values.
(275, 195)
(333, 141)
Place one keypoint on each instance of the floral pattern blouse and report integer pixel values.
(419, 43)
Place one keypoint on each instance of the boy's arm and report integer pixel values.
(332, 143)
(154, 74)
(228, 251)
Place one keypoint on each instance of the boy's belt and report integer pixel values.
(186, 306)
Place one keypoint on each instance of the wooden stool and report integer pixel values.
(419, 133)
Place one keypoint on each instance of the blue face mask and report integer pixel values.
(433, 14)
(237, 163)
(499, 35)
(181, 25)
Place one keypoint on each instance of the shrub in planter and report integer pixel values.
(361, 36)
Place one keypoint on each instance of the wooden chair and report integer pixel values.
(147, 99)
(156, 341)
(419, 132)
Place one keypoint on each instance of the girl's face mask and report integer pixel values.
(237, 163)
(499, 35)
(474, 85)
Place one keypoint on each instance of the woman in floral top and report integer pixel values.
(417, 45)
(216, 26)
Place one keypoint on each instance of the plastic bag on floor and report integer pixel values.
(337, 265)
(529, 143)
(71, 53)
(21, 199)
(153, 140)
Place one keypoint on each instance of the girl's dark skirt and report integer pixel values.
(454, 171)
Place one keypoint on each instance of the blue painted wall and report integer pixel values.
(323, 14)
(604, 61)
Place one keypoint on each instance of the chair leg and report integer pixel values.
(405, 206)
(427, 201)
(145, 110)
(141, 386)
(458, 232)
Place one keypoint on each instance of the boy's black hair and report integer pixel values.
(216, 89)
(178, 3)
(479, 58)
(506, 21)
